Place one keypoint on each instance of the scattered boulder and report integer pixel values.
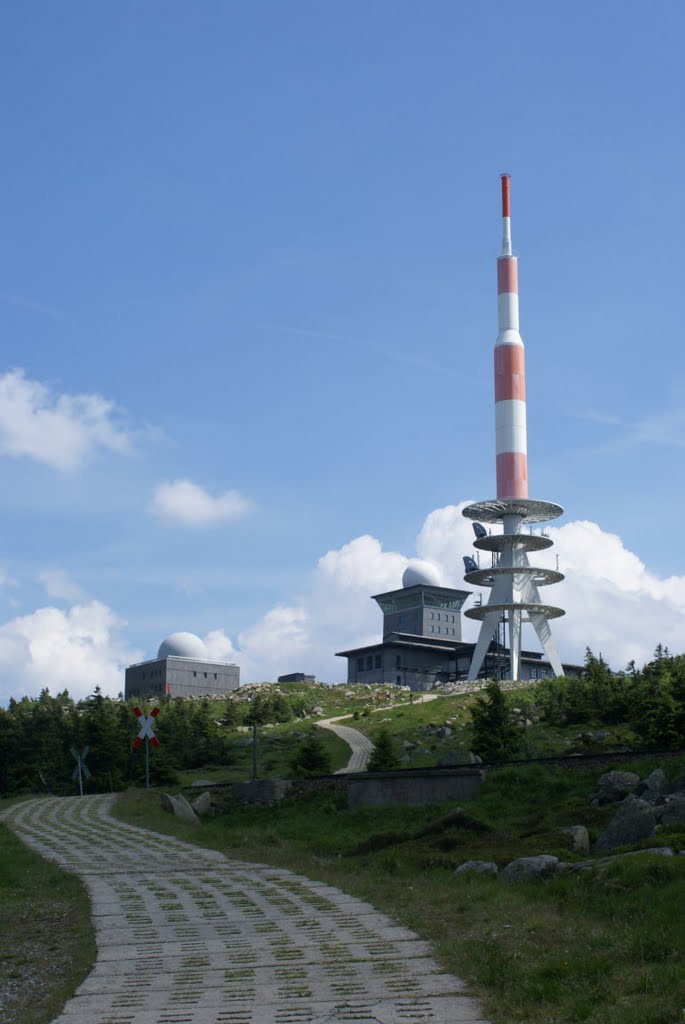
(202, 804)
(678, 785)
(634, 820)
(654, 786)
(474, 758)
(317, 711)
(614, 786)
(530, 869)
(673, 812)
(179, 806)
(453, 759)
(444, 732)
(580, 839)
(478, 867)
(199, 783)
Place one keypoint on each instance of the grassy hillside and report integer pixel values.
(47, 945)
(599, 948)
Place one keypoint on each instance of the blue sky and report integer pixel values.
(250, 247)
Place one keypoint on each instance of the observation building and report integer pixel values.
(182, 668)
(422, 643)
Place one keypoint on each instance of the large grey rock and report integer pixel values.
(580, 867)
(580, 839)
(530, 869)
(633, 821)
(673, 813)
(202, 804)
(678, 785)
(653, 786)
(179, 806)
(479, 867)
(614, 786)
(453, 759)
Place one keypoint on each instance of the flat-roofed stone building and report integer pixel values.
(422, 642)
(182, 668)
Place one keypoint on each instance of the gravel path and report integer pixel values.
(187, 936)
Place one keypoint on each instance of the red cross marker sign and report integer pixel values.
(146, 723)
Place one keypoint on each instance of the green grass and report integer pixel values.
(47, 943)
(599, 948)
(276, 747)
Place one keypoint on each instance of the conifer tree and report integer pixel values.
(385, 755)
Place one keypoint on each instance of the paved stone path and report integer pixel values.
(187, 936)
(360, 745)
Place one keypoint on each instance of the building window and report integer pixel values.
(377, 661)
(397, 661)
(215, 675)
(399, 680)
(194, 673)
(205, 675)
(369, 661)
(432, 615)
(360, 664)
(533, 673)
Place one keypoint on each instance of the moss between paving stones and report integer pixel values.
(602, 948)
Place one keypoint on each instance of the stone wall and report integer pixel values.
(412, 788)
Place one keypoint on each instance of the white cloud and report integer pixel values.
(613, 603)
(59, 584)
(59, 430)
(279, 638)
(219, 647)
(187, 504)
(76, 650)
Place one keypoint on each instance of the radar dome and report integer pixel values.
(419, 572)
(183, 645)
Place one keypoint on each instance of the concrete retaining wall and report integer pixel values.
(260, 791)
(412, 788)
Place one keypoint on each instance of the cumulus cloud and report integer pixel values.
(219, 646)
(77, 650)
(613, 603)
(59, 584)
(187, 504)
(59, 430)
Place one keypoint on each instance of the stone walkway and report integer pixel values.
(360, 745)
(187, 936)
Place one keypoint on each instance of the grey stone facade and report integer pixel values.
(181, 677)
(422, 644)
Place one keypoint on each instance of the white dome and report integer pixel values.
(421, 572)
(183, 645)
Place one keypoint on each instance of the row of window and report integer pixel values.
(538, 673)
(445, 617)
(372, 661)
(447, 630)
(205, 674)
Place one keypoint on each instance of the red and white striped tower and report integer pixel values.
(514, 583)
(510, 370)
